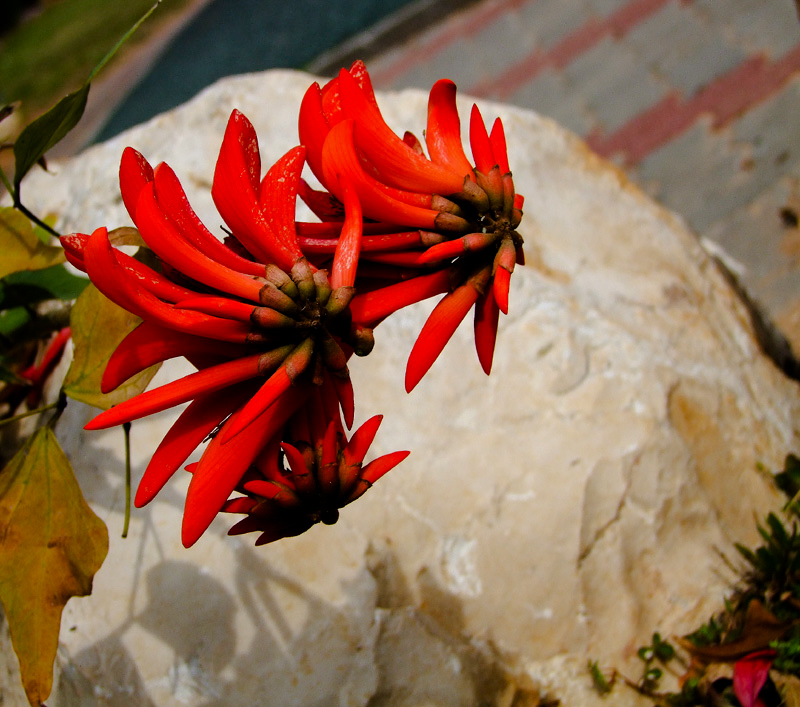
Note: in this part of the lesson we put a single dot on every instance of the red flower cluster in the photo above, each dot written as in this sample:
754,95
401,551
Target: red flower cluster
271,315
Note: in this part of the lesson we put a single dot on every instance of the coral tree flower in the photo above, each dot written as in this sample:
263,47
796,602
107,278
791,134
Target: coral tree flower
466,215
270,338
271,315
325,472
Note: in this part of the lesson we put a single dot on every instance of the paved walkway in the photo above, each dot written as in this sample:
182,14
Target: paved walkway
698,100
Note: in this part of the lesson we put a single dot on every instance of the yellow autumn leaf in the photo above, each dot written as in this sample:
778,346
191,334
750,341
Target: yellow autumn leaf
789,688
98,326
21,248
51,545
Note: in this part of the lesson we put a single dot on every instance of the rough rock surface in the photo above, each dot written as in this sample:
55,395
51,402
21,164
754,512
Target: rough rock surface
564,508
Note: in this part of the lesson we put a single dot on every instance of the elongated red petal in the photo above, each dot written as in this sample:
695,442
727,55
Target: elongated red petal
296,460
339,158
219,307
278,197
500,288
359,72
115,283
345,259
437,331
399,165
487,314
199,419
234,191
380,466
372,307
362,440
313,129
155,283
275,386
173,201
150,343
407,259
160,234
344,392
179,391
374,471
479,141
497,138
134,173
221,467
458,246
443,135
405,240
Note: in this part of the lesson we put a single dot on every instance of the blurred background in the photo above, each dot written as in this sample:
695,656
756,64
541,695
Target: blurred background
697,100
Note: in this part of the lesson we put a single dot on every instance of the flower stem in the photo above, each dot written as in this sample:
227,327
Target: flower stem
126,427
33,217
29,413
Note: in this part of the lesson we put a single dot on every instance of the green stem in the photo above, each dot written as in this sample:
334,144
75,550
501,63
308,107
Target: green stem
33,217
22,415
126,428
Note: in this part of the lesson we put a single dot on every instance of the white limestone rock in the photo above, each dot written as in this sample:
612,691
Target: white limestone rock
562,509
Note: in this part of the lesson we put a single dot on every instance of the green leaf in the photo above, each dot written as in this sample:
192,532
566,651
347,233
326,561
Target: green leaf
601,684
51,545
55,282
13,319
47,130
98,326
20,247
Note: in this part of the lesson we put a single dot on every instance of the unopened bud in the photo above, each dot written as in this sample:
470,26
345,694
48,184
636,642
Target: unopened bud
339,300
303,277
323,287
281,280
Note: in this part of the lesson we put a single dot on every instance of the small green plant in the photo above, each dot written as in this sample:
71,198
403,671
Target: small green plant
733,656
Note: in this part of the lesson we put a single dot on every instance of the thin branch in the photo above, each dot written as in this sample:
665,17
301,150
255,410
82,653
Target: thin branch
126,428
33,217
29,413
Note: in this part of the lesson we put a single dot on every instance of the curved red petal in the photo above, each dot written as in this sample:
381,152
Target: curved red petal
221,467
372,307
497,139
399,165
313,129
278,197
179,391
362,439
173,201
339,158
195,423
437,331
500,288
479,141
348,248
234,191
487,314
160,234
150,343
443,134
134,173
116,283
